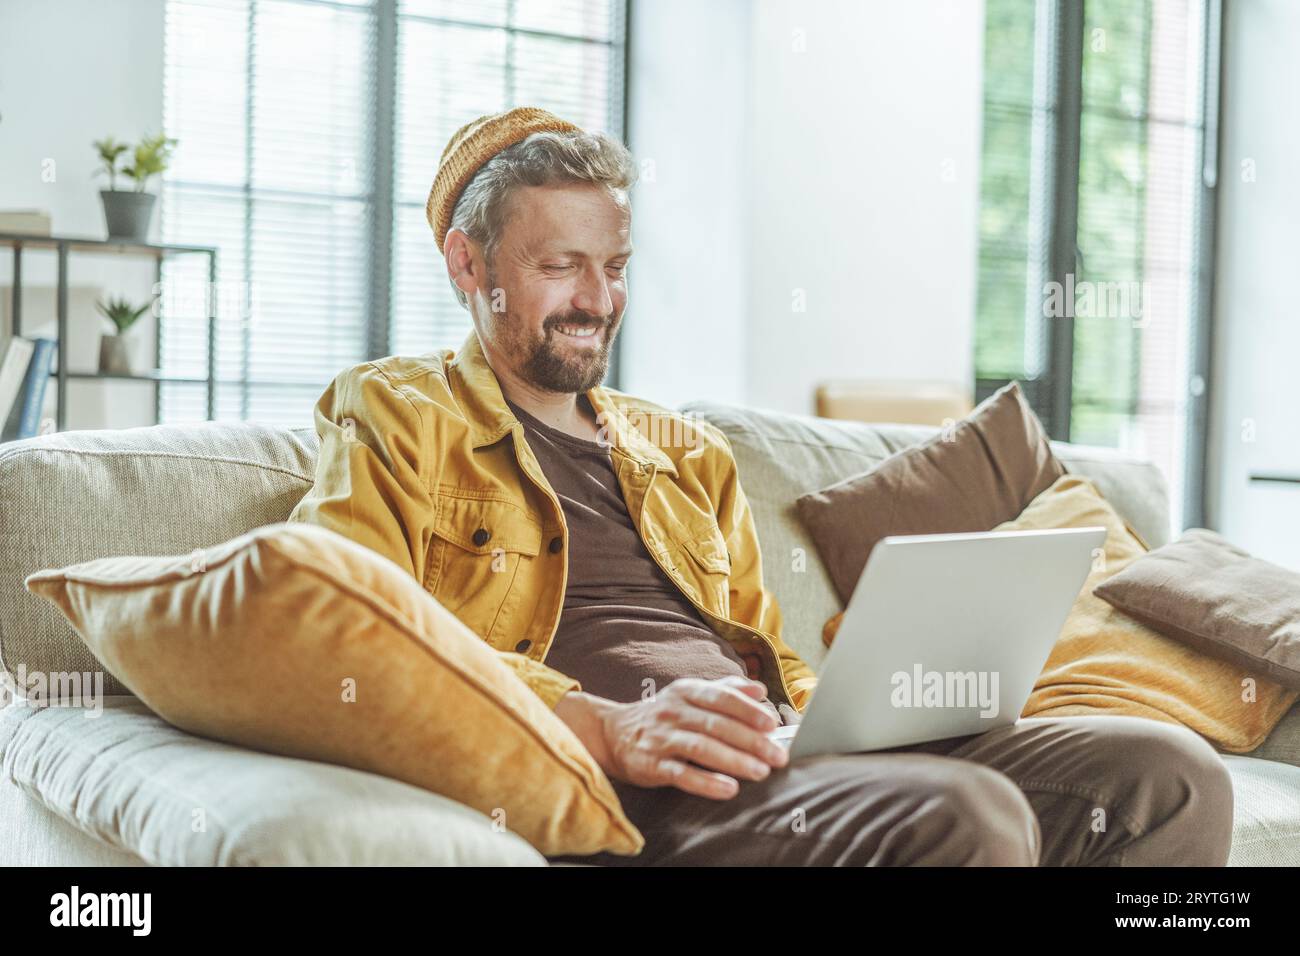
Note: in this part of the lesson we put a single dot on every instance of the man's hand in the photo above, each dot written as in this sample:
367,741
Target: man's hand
696,735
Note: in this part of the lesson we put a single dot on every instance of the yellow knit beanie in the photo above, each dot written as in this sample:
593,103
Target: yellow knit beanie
473,145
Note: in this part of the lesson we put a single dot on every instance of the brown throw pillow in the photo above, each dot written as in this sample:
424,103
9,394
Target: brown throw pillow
969,478
1217,598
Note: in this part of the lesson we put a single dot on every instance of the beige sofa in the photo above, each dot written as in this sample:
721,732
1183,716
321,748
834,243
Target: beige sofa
119,786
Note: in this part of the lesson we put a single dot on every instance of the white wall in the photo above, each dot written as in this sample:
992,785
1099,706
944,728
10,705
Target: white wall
865,193
687,319
73,71
1257,346
850,172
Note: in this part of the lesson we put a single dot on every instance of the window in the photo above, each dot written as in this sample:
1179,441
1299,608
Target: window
1095,218
309,132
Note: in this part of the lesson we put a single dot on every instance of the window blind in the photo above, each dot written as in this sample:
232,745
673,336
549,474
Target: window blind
1140,166
269,100
273,104
1020,103
1138,293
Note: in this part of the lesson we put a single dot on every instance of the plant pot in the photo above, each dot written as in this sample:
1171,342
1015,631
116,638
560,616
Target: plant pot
127,214
114,355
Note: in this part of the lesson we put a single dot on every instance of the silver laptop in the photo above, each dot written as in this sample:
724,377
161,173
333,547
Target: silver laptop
944,636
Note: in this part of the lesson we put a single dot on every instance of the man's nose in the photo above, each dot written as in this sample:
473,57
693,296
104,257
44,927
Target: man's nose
593,295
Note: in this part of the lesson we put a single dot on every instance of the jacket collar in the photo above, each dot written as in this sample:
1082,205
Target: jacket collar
490,418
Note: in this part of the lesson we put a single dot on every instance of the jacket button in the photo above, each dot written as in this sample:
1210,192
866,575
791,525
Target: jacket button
481,537
556,545
523,645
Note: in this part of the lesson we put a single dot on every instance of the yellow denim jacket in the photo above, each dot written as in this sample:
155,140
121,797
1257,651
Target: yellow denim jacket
415,464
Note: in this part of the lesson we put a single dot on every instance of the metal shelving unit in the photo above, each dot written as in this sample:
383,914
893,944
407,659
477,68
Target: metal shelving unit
63,247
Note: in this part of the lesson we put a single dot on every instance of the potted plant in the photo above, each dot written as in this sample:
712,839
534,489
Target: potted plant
114,354
129,211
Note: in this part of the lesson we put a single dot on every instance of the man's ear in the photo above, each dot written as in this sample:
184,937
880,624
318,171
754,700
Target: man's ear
465,264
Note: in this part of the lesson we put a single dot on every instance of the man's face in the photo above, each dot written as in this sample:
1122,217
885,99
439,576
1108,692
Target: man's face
557,285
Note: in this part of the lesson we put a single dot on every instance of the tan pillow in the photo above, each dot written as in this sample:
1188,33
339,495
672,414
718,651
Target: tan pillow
1107,663
295,640
1214,596
968,478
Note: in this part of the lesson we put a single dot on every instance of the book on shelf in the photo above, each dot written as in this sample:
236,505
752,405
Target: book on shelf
27,222
22,415
13,370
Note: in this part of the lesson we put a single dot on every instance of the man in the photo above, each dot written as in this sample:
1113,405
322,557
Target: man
604,547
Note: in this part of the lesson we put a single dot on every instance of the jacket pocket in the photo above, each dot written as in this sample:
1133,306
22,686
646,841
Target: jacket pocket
710,568
475,556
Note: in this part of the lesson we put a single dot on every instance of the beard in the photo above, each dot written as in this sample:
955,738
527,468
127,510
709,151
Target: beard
552,363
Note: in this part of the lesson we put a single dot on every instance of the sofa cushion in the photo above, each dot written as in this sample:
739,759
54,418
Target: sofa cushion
31,834
166,489
139,785
978,474
1265,812
782,456
1283,743
124,788
296,640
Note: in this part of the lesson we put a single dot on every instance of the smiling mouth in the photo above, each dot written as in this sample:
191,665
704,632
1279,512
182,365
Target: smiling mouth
579,332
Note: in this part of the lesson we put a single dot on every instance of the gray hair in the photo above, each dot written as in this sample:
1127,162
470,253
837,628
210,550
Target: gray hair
543,159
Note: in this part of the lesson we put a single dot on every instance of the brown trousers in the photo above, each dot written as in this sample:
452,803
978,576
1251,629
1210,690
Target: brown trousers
1063,791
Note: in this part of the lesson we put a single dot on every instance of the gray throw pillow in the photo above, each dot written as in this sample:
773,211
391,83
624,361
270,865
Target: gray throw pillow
1215,597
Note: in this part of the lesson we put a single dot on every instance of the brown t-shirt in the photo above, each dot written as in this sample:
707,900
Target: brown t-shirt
626,630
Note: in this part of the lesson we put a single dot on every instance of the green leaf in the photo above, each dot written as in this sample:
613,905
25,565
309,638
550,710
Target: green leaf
152,156
122,313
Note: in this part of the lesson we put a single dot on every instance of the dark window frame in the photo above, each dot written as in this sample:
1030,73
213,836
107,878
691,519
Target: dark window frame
1051,394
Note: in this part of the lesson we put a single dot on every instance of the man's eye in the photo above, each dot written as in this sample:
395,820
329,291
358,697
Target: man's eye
616,271
556,267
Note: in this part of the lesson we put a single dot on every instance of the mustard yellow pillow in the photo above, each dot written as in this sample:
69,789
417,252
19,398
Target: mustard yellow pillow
295,640
1108,663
